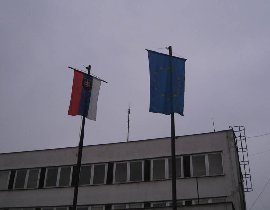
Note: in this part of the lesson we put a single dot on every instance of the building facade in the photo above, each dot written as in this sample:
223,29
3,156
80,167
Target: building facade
127,175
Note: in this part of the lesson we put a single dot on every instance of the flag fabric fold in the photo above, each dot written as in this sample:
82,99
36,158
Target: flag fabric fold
167,83
84,96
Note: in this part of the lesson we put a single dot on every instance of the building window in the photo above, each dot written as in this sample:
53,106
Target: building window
51,177
26,178
99,174
127,206
178,203
215,164
128,171
120,172
82,208
158,169
100,207
198,163
136,205
61,208
136,171
65,176
200,201
217,200
33,178
161,204
178,163
85,175
55,208
58,176
20,179
4,178
119,206
186,165
93,174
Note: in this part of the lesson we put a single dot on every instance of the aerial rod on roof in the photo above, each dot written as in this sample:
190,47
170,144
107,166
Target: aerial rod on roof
128,124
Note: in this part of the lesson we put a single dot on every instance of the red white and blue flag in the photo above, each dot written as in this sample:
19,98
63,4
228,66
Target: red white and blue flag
84,95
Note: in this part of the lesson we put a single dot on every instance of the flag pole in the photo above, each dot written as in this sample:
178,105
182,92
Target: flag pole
79,159
174,204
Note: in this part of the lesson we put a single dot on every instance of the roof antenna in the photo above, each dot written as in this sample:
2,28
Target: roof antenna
214,124
128,123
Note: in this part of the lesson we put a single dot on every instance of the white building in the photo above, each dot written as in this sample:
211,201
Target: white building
127,175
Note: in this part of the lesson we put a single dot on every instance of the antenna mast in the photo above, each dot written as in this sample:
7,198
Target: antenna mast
128,123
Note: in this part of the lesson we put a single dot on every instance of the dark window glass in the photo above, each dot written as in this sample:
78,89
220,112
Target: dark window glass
109,173
215,164
65,176
186,165
188,202
158,169
99,174
135,205
4,176
147,171
61,208
159,204
85,175
51,177
32,181
120,172
136,171
20,179
119,206
178,167
218,200
97,208
198,163
82,208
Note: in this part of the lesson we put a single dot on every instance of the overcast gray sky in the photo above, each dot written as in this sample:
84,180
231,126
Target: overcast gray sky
226,44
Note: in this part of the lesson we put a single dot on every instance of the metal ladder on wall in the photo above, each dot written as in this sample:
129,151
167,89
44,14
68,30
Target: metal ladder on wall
241,143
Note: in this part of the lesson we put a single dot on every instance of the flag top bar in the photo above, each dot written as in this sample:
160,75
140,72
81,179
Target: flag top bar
165,54
87,74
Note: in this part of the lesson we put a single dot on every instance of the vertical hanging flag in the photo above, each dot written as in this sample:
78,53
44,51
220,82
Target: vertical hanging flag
167,83
84,95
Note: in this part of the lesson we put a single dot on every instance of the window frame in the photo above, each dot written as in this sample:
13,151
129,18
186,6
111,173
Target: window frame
26,178
93,173
166,174
181,169
127,205
70,175
205,164
114,171
207,172
59,168
7,181
128,171
222,163
142,170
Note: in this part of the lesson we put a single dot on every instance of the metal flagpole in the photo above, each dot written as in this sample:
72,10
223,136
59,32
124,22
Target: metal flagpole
174,206
80,149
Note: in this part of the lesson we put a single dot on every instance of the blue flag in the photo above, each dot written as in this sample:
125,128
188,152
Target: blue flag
167,83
